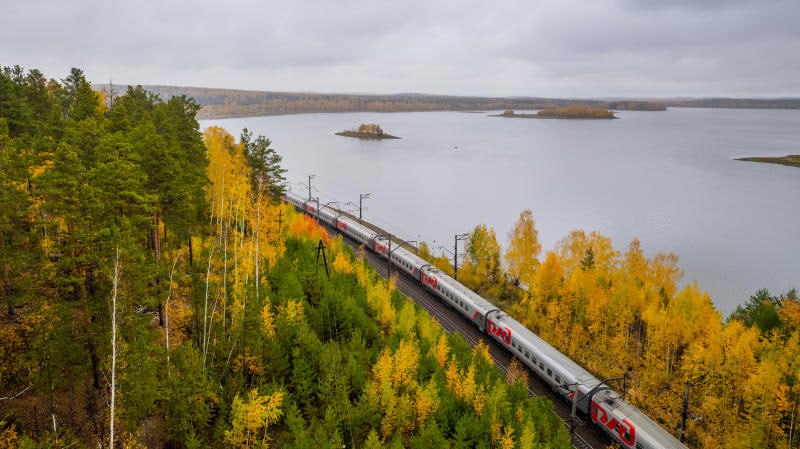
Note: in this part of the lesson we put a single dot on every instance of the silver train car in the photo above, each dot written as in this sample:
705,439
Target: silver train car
623,422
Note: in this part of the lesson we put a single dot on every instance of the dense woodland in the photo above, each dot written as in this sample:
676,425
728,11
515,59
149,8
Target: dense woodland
157,294
620,313
219,103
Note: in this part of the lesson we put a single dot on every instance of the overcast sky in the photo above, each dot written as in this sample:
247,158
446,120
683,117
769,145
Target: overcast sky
552,48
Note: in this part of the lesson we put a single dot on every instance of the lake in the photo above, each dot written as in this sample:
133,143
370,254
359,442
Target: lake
667,178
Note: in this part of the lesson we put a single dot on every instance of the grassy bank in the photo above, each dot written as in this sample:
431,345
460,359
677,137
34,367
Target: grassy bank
792,160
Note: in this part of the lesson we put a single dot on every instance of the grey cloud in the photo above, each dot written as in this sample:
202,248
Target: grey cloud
546,47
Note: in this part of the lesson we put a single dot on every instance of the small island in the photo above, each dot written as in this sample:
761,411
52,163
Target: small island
569,112
367,131
792,160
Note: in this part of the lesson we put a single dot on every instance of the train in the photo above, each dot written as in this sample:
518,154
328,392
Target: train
606,408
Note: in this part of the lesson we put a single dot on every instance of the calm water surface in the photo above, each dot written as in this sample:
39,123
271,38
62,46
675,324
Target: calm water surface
667,178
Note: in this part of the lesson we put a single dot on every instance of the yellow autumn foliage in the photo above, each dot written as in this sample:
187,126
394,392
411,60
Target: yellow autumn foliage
481,351
251,417
9,439
403,403
268,321
291,313
426,401
506,441
441,351
341,263
405,363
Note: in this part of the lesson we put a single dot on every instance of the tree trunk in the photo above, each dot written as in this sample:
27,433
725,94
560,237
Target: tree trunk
160,311
7,290
166,311
191,253
113,350
91,345
156,238
205,311
157,255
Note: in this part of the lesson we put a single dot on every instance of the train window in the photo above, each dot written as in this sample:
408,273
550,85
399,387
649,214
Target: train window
639,446
558,379
549,372
527,354
534,359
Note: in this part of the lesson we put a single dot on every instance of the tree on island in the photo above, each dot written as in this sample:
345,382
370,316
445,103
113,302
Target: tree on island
370,128
367,131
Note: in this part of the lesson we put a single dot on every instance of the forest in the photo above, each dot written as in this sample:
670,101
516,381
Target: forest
222,103
620,313
156,293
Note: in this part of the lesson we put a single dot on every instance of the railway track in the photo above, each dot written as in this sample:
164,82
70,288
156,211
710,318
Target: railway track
584,437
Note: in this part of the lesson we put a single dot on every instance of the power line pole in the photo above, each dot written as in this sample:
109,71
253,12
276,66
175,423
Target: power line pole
573,416
685,411
455,253
321,250
310,177
361,198
389,251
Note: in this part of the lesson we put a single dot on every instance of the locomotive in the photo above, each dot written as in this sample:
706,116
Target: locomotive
606,408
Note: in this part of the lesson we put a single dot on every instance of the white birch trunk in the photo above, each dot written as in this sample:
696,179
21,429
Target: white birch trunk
114,349
205,311
166,310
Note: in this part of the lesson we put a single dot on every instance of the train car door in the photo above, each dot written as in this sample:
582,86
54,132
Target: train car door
480,320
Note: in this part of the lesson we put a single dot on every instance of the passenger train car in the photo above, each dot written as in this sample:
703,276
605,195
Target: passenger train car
607,409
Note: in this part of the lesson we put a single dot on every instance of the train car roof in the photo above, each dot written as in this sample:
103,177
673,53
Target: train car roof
520,332
611,401
477,300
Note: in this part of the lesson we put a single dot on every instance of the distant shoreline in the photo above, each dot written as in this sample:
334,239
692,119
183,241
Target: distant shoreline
567,113
552,117
792,160
218,103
